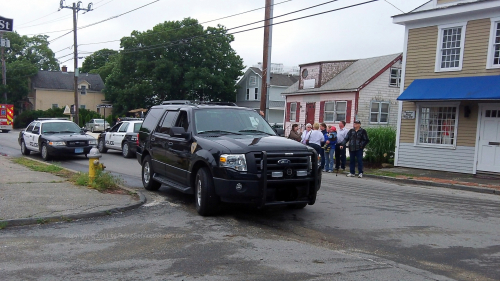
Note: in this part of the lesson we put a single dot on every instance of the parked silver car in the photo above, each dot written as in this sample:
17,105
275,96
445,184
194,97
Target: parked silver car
97,125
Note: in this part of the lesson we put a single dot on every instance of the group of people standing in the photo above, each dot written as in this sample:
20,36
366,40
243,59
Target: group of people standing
330,144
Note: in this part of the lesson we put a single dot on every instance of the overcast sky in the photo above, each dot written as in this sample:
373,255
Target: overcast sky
358,32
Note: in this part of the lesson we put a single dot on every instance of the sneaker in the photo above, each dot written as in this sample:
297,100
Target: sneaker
324,171
330,171
350,175
360,175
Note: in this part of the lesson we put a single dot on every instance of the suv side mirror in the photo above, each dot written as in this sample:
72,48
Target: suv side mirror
180,132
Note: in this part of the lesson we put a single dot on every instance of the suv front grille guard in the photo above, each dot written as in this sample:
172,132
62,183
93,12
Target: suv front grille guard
312,180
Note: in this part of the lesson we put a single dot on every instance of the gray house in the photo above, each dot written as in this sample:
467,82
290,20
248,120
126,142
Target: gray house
249,90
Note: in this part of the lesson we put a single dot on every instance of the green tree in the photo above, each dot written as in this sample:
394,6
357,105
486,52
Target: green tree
100,62
174,60
24,58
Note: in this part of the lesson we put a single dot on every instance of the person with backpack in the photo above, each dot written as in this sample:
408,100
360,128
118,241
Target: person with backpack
358,139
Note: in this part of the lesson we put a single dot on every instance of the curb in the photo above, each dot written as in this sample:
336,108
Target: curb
436,184
72,217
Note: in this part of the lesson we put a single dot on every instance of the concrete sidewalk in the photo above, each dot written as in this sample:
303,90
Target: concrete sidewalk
30,197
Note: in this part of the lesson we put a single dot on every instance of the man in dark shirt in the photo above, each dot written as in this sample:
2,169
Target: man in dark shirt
358,139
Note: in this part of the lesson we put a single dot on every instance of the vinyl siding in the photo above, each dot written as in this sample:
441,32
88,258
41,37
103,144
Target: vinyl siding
460,160
43,99
408,125
439,2
379,90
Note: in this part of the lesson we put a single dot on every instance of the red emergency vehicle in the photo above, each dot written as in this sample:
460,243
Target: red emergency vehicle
6,117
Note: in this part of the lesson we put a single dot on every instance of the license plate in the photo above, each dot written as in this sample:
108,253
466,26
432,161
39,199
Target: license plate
78,150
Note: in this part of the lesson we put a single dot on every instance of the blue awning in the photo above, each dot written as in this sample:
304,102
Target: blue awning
459,88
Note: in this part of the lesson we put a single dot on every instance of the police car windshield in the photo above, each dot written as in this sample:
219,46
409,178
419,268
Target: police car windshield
60,127
231,120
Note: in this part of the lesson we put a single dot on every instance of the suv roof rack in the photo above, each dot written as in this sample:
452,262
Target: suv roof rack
177,102
188,102
52,118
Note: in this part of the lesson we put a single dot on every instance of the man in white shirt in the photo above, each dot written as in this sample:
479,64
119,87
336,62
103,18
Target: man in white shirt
340,153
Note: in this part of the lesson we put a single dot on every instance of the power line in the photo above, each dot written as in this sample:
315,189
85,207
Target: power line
47,22
184,41
61,36
394,6
38,18
151,33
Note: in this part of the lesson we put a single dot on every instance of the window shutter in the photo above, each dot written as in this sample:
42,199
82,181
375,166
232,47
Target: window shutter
297,115
348,111
287,113
321,111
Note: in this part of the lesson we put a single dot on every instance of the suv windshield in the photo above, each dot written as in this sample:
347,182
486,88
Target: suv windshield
60,127
230,121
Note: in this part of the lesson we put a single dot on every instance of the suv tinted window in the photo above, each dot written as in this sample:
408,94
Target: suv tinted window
167,122
151,120
182,121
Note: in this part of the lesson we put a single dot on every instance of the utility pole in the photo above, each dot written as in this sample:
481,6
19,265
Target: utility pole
4,44
76,8
266,62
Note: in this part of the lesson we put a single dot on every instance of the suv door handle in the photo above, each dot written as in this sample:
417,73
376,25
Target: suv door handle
153,138
170,143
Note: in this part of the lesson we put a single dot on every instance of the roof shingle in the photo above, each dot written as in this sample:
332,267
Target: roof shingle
65,80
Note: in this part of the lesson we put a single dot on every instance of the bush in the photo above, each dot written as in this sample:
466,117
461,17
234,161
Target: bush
382,144
86,115
103,180
23,119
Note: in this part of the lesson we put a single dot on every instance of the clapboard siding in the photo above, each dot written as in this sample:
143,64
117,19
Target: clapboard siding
459,160
408,125
421,53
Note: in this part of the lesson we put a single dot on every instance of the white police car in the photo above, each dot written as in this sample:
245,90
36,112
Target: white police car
115,137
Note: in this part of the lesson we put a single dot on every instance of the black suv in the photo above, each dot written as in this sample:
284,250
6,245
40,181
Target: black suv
224,154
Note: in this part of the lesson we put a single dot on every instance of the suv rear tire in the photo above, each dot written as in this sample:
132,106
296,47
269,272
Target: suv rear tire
147,175
205,197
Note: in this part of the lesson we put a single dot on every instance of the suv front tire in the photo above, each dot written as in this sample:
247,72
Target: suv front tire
206,200
147,175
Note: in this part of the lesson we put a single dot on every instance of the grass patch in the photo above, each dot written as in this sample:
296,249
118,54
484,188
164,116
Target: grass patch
387,174
102,182
42,167
3,225
41,221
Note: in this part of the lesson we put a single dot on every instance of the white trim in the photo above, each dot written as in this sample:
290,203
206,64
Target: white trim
417,123
489,61
476,149
437,67
401,89
472,8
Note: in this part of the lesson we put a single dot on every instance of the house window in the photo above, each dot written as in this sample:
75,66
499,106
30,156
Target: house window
379,112
395,79
256,93
293,112
252,81
437,125
83,90
335,111
248,94
494,45
82,106
55,105
450,48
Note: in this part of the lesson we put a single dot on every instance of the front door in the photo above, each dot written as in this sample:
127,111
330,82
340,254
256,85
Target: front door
489,140
310,108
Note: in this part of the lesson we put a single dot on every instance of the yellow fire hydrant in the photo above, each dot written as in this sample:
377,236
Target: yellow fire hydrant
94,164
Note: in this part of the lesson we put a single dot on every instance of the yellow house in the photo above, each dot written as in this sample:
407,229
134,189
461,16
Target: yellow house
449,107
51,89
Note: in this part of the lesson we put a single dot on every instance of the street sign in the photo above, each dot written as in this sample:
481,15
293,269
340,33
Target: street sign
6,24
104,106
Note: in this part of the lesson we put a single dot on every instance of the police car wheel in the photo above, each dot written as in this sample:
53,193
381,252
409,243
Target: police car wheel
24,149
45,152
125,150
101,146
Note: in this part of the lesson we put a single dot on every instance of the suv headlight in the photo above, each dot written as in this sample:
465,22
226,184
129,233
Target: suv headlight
91,142
57,143
237,162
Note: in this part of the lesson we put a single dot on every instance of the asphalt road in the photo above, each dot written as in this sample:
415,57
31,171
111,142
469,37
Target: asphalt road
359,229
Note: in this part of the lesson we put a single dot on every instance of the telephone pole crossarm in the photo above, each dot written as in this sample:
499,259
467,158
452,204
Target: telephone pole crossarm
76,8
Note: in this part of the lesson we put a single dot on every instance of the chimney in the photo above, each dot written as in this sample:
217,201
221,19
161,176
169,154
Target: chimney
64,68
